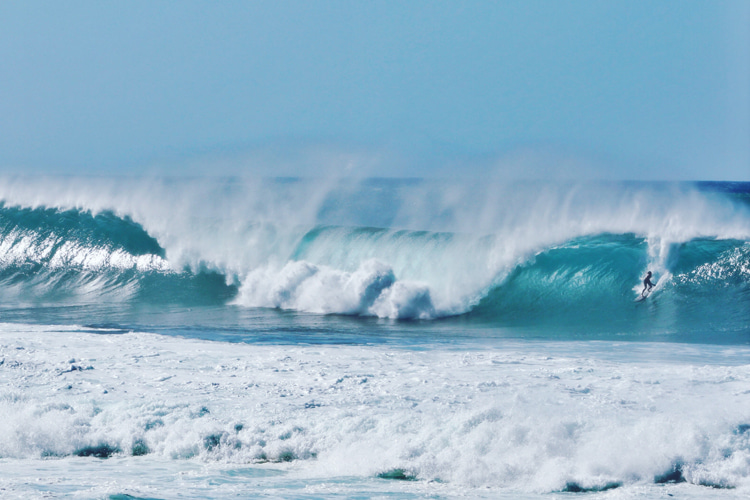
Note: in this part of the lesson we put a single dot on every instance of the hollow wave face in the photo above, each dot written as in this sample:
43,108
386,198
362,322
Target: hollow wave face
508,253
588,283
71,256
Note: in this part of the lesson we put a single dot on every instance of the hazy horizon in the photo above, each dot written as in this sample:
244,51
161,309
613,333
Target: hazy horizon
534,90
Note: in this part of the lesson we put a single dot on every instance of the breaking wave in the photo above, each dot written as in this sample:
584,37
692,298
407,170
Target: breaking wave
524,253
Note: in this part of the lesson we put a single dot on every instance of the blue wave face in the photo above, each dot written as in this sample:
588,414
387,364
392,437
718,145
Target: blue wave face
524,255
590,284
72,257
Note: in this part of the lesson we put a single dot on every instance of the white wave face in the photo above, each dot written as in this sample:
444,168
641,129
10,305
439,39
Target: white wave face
86,265
521,422
22,247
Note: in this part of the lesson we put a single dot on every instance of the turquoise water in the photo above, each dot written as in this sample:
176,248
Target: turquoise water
401,338
566,266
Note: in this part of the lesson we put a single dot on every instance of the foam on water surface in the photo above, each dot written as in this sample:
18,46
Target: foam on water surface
213,419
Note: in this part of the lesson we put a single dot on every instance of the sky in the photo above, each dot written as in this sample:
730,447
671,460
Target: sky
617,89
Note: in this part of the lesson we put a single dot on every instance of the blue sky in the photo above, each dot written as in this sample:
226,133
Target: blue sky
623,89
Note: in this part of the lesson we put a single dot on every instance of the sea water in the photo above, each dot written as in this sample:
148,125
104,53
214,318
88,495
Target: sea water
319,338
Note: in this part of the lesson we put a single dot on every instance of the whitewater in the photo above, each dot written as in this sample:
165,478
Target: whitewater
318,338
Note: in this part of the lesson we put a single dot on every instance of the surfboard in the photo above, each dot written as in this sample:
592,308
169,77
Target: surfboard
644,295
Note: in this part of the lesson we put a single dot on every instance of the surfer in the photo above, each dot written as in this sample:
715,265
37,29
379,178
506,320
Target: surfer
647,283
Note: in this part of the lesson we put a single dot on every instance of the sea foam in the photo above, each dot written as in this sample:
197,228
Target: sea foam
536,421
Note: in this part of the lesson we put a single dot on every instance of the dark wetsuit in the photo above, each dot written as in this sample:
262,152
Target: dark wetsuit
647,284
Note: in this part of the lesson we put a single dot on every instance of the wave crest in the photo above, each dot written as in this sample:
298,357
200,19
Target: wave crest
495,251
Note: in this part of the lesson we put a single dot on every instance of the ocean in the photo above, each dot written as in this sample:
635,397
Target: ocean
165,338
